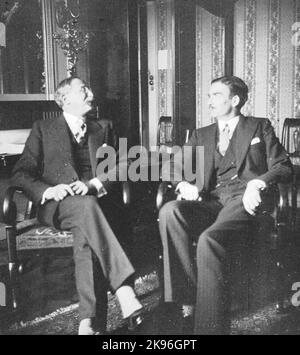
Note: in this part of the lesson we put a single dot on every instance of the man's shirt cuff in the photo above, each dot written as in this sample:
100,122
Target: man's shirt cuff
43,197
97,184
179,184
259,183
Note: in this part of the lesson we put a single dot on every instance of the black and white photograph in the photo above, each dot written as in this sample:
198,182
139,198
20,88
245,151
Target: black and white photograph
149,170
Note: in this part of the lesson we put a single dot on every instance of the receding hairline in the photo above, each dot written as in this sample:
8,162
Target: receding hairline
63,88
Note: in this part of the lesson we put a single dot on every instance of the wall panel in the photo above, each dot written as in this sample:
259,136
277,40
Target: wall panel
266,58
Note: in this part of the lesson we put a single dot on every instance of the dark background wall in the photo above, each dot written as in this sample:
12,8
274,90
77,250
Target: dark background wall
112,54
21,114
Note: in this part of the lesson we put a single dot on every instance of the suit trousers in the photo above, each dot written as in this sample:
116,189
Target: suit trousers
217,226
100,261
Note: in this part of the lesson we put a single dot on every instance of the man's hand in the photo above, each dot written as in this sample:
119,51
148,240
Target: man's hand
187,191
79,188
251,198
58,192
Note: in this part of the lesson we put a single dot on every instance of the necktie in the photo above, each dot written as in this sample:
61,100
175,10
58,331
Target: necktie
79,136
224,139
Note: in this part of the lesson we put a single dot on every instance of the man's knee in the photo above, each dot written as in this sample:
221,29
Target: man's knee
81,205
203,242
90,203
169,210
208,246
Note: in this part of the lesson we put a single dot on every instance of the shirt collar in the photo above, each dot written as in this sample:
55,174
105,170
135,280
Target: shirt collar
232,123
74,122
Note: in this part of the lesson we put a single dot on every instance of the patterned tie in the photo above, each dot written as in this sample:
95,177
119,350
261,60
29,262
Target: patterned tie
79,136
224,140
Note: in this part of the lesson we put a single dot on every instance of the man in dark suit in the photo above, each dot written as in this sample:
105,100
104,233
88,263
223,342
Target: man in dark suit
58,171
242,156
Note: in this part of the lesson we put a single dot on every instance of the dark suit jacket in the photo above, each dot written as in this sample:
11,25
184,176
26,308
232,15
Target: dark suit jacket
47,159
259,153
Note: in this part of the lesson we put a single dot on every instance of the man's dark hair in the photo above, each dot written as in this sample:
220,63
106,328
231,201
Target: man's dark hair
236,86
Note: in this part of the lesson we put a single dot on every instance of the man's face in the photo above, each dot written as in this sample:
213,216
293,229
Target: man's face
221,104
78,100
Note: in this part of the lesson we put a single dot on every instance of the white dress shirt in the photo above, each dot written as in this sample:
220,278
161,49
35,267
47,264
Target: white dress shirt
232,123
75,124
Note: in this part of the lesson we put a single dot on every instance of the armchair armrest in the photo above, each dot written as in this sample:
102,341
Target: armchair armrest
275,197
9,205
126,193
165,192
284,208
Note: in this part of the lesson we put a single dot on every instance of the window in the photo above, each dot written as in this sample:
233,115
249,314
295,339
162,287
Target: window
25,36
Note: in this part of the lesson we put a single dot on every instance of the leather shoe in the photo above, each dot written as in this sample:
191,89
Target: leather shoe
135,320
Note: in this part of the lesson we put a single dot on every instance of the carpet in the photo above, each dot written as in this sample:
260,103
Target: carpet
64,321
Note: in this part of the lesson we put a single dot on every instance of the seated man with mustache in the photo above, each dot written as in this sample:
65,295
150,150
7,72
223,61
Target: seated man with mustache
242,156
58,172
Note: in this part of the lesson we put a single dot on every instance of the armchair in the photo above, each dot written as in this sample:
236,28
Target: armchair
274,218
291,141
28,237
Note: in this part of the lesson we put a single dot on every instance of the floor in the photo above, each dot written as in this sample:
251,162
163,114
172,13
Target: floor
51,305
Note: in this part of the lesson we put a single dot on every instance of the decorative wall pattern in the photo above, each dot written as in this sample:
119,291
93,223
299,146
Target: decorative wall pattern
218,58
162,45
210,62
165,43
267,59
296,86
199,55
273,60
249,53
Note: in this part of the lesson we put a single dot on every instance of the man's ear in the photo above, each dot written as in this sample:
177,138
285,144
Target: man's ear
235,100
65,100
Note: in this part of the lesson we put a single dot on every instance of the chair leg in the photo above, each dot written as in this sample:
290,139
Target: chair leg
294,201
280,269
13,267
161,277
279,286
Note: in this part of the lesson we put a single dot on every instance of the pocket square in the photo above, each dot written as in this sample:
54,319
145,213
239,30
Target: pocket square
255,141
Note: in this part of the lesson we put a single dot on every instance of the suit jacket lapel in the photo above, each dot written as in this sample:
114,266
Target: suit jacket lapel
95,140
62,139
246,129
209,143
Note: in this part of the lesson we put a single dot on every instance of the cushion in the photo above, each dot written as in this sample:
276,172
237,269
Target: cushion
33,235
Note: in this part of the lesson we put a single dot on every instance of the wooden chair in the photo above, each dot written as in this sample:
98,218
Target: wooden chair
291,141
276,219
27,237
272,232
165,134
